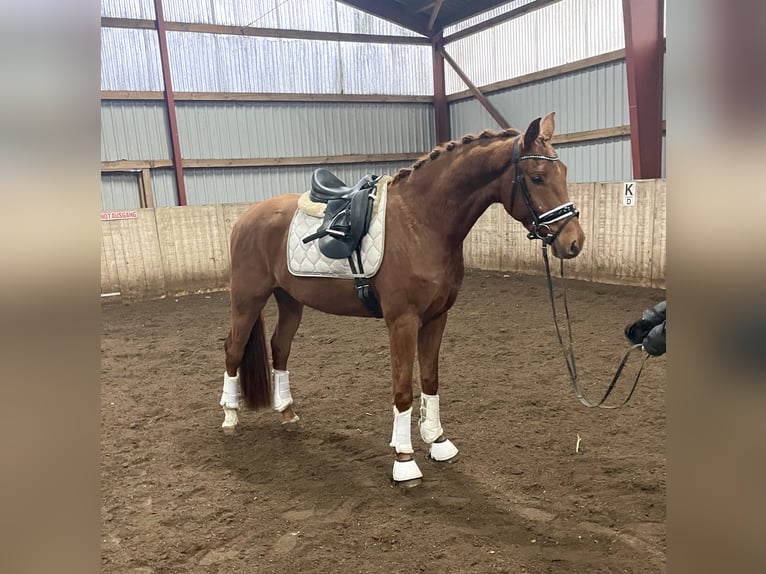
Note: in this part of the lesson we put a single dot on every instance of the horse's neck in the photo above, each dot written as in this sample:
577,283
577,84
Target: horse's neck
450,193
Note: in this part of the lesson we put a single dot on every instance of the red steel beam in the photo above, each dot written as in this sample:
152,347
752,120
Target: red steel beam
475,91
170,103
441,105
644,51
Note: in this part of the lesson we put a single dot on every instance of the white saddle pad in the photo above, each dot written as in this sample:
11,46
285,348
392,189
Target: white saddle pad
305,259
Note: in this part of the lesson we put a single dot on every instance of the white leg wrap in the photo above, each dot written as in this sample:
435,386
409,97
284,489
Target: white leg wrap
431,429
230,395
430,425
230,403
401,437
401,440
280,390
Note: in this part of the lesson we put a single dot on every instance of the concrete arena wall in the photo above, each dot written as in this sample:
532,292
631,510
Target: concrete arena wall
624,245
168,251
176,250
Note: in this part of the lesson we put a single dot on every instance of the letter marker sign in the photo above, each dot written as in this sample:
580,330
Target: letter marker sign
629,193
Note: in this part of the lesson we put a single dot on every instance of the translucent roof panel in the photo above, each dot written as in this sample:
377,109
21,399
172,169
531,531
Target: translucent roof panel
313,15
130,60
479,18
140,9
222,63
557,34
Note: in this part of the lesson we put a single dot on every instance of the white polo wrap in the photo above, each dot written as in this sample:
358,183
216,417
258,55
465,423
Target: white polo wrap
230,395
430,425
401,437
280,390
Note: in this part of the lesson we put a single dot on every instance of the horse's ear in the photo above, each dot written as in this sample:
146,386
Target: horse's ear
531,134
547,126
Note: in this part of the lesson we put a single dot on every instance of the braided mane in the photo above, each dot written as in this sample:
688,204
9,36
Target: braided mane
449,146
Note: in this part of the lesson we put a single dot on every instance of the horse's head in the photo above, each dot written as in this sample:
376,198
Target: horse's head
537,195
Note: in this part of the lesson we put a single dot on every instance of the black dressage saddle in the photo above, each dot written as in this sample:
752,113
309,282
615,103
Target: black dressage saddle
347,215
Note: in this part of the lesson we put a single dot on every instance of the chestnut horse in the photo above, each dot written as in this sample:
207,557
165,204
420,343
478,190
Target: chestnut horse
431,207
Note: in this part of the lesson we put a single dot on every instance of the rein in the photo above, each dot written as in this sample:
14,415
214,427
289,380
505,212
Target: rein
569,352
542,231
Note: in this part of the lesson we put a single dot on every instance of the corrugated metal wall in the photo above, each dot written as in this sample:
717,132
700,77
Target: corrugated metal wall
119,191
130,60
164,187
128,9
563,32
557,34
226,63
243,185
217,63
323,15
134,130
137,130
569,30
263,129
590,99
249,184
599,160
479,18
584,100
316,15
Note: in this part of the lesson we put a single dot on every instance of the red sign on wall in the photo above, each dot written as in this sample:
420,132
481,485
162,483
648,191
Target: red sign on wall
112,215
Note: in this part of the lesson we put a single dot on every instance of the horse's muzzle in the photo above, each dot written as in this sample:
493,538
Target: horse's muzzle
571,251
568,244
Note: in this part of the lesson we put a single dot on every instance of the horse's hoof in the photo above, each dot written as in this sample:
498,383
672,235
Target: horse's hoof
443,451
292,424
230,430
453,460
407,484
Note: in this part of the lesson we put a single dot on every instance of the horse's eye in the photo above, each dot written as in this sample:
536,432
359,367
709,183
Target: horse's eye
537,179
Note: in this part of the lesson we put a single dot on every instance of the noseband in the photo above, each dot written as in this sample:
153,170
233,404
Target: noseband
540,223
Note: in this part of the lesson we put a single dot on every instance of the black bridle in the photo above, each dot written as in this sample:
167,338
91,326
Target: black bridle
542,231
540,223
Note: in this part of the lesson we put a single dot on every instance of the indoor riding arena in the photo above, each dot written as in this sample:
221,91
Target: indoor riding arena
213,109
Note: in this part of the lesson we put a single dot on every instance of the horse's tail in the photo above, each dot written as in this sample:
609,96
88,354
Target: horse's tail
254,372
